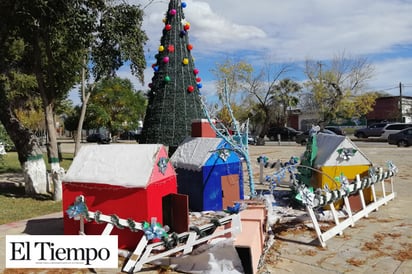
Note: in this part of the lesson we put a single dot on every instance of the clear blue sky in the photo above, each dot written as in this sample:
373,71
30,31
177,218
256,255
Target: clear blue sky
278,31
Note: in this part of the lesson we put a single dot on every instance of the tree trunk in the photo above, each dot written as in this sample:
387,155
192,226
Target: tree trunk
85,98
28,149
265,127
53,153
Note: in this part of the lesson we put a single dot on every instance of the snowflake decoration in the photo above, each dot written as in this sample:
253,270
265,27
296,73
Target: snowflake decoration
346,153
392,167
154,230
344,182
224,154
372,174
77,209
162,164
306,195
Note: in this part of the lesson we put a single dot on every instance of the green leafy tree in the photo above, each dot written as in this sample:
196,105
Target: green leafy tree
55,39
285,95
335,86
115,105
174,97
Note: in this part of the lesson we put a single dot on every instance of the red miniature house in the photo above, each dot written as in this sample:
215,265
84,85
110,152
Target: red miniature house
128,180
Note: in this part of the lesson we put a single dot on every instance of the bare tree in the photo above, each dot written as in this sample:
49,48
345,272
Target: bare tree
335,85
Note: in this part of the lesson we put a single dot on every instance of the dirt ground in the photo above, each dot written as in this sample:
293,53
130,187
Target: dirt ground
381,243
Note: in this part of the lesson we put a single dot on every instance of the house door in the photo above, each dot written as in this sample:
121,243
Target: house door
230,190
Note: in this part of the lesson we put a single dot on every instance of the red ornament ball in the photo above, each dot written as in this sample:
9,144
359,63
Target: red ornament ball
168,27
189,47
190,88
195,71
171,48
198,79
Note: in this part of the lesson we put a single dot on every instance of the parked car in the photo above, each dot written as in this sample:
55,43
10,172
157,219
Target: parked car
373,130
393,128
98,138
402,139
129,135
303,137
337,130
286,133
251,139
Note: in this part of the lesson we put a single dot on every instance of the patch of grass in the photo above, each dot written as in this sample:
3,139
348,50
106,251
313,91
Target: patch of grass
15,204
11,164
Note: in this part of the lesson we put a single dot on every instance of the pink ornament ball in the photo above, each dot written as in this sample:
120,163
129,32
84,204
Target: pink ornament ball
195,71
166,59
172,12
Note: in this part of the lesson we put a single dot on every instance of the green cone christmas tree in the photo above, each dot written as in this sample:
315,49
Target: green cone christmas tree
174,96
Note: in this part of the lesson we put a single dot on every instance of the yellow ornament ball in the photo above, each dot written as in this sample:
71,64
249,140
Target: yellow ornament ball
185,61
161,48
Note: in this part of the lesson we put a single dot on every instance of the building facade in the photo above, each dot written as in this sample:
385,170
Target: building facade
389,108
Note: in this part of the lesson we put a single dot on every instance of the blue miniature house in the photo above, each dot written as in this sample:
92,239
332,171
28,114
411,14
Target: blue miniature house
209,173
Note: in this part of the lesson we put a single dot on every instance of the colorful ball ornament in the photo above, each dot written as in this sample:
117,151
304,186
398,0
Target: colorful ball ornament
171,48
164,20
161,48
182,33
184,5
186,27
172,12
165,59
199,85
195,71
185,61
150,85
189,47
198,79
156,68
168,27
190,88
167,78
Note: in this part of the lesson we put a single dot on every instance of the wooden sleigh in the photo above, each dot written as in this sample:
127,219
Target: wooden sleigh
145,251
380,182
313,201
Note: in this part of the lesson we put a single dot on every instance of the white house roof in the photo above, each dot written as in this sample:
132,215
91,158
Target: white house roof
127,165
193,152
330,151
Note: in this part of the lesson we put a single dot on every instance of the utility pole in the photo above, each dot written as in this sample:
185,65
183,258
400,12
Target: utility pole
400,102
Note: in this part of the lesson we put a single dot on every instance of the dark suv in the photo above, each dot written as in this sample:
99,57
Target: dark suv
373,130
286,133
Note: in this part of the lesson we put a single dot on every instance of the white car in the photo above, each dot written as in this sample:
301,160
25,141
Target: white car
393,128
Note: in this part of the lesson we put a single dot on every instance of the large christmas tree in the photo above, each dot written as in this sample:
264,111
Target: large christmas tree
174,97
